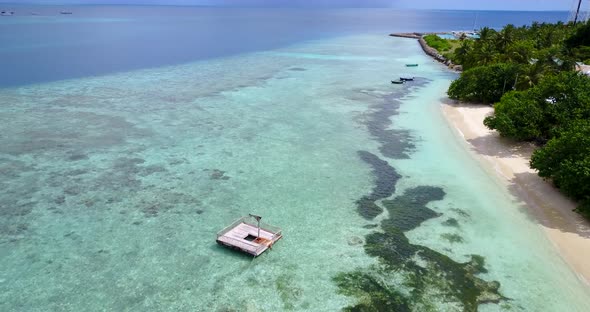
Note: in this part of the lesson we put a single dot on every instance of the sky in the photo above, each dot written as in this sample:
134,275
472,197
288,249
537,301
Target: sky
561,5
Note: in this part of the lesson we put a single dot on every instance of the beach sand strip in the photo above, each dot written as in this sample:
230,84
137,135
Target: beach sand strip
509,161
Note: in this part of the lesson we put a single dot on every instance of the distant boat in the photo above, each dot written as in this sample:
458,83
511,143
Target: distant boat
406,78
411,65
65,12
397,81
6,13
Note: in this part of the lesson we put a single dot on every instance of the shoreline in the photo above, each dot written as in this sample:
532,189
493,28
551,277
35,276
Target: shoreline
508,161
568,232
430,51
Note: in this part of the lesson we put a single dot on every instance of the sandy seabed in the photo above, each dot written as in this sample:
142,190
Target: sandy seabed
509,161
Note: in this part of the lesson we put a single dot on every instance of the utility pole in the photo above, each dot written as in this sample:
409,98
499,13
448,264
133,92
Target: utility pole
577,12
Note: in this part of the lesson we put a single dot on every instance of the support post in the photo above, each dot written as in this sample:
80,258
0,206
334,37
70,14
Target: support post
258,220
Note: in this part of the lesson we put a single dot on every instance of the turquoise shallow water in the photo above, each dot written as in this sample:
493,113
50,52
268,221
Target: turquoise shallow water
115,186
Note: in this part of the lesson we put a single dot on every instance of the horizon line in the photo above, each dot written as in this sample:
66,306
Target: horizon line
269,7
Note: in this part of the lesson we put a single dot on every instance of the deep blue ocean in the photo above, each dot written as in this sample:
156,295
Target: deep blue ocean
97,40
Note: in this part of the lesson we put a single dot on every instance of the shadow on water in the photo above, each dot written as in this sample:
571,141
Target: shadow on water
231,253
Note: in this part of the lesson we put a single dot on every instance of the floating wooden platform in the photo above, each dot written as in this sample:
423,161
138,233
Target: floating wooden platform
242,235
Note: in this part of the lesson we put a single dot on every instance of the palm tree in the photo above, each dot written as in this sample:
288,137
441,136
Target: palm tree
505,37
462,54
520,51
486,55
531,75
486,34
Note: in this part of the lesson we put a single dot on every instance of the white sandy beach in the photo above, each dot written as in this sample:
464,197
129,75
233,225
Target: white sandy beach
567,230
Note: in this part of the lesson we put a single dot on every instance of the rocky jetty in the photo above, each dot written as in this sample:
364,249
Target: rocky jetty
428,49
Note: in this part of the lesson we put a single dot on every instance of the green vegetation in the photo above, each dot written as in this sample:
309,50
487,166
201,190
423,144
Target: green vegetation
566,160
538,48
579,43
442,45
511,59
495,77
529,73
541,112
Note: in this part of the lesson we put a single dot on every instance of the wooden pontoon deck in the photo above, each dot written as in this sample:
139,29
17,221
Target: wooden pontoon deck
243,235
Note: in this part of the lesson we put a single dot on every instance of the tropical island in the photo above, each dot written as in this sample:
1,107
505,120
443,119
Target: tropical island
537,81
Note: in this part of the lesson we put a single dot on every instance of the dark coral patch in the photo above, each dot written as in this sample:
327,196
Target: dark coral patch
289,292
177,161
12,232
151,169
12,209
57,129
399,144
451,222
461,212
75,172
367,208
374,294
168,201
408,211
391,246
386,176
122,175
424,270
421,270
395,143
217,174
76,157
60,200
385,180
13,226
452,237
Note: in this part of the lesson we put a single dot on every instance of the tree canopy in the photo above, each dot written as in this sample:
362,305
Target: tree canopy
484,84
529,73
538,114
527,54
565,160
578,44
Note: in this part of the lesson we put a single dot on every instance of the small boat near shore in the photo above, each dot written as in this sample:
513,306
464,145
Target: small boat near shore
6,13
397,81
411,65
404,79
